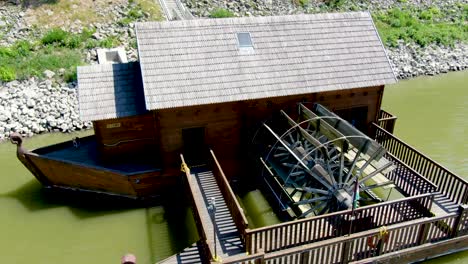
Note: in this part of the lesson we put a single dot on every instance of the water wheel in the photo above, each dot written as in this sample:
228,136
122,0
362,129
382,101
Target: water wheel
319,163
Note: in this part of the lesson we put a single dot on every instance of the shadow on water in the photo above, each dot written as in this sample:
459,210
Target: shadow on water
179,226
83,205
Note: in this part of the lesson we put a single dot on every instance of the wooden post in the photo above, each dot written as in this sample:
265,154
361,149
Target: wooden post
248,242
346,249
462,211
305,257
465,197
422,236
260,260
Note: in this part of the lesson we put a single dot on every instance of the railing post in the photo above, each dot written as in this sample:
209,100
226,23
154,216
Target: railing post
248,242
260,260
305,257
346,249
422,236
465,197
462,211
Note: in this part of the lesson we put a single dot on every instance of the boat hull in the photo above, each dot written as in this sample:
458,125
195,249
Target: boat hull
55,171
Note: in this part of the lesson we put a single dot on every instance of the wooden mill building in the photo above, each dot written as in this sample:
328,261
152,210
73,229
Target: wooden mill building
212,82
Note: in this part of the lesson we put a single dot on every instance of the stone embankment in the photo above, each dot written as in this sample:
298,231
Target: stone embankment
33,107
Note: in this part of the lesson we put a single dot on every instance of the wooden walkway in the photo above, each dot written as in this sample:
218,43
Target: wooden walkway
409,182
228,240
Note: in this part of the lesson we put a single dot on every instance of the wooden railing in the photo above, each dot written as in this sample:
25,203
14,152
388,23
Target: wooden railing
206,242
299,232
365,244
235,209
450,184
386,121
408,181
463,221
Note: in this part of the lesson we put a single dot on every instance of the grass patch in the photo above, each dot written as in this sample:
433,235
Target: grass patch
56,13
7,74
109,42
335,4
25,59
55,36
419,26
302,3
150,7
221,13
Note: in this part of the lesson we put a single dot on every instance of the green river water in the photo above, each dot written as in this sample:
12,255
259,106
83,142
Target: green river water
39,227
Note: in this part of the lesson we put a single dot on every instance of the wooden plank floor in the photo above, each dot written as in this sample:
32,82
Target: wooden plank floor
86,154
442,205
228,237
189,255
228,241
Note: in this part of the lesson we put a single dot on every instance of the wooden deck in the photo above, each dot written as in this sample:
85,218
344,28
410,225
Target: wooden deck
228,238
192,254
85,153
431,213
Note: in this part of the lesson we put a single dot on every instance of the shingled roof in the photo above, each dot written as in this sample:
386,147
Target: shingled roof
195,62
110,91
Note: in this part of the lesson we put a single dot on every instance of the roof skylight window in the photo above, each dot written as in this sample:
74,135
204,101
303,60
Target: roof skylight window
245,43
244,40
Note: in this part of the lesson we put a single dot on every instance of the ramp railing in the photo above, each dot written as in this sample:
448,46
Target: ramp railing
206,243
366,244
386,121
235,209
298,232
450,184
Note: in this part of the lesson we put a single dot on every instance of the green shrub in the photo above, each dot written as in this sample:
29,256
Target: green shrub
335,4
135,13
6,52
55,36
73,42
221,13
429,14
125,21
109,42
23,48
133,43
71,75
91,43
87,33
418,26
303,3
7,74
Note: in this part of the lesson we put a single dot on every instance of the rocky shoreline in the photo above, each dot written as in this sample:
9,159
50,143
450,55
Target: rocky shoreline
32,107
36,106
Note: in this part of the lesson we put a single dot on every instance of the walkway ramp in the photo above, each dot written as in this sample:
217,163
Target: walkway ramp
228,240
175,10
190,255
203,187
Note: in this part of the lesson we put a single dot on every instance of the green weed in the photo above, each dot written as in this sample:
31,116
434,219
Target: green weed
109,42
7,74
55,36
418,26
221,13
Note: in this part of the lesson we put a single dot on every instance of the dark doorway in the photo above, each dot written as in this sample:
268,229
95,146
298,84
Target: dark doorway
194,146
356,116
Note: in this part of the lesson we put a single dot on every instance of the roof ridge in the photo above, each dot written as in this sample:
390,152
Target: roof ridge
232,21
